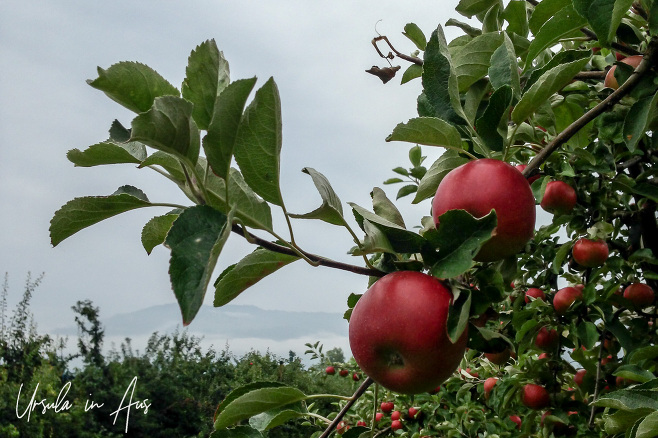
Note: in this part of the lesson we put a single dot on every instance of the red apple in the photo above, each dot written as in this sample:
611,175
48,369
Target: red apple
533,292
396,425
412,412
521,168
517,420
559,198
641,295
488,386
395,415
590,253
379,416
482,185
330,370
361,423
500,358
565,297
610,80
344,373
535,396
579,376
543,356
356,377
398,333
547,339
341,428
386,407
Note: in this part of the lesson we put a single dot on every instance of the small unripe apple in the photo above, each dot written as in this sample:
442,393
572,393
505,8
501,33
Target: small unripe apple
396,425
395,415
535,396
547,339
500,358
641,295
330,370
488,386
590,253
517,420
559,198
610,80
533,292
480,186
386,407
564,298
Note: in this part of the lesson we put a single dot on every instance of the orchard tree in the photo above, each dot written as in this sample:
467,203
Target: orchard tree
543,108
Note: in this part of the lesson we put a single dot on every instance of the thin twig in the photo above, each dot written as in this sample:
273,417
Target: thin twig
359,392
413,59
315,258
606,104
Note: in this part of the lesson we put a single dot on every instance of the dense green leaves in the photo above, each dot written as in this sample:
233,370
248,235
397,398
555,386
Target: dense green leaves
604,16
247,272
196,238
472,61
169,127
133,85
80,213
258,143
439,169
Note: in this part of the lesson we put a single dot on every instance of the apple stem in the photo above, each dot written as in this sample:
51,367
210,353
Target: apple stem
357,394
374,411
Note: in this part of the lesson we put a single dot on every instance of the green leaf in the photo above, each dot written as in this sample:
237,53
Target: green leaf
406,191
561,24
629,400
168,126
219,142
118,133
133,85
430,131
548,84
648,428
207,74
467,28
155,231
249,208
276,417
635,124
375,240
472,61
236,432
653,18
383,207
544,11
494,115
560,256
254,402
440,86
644,353
634,373
430,182
468,8
196,238
416,156
168,162
504,69
604,16
81,213
412,72
458,315
621,420
459,238
258,143
250,270
331,210
108,153
566,113
413,32
401,240
588,334
516,14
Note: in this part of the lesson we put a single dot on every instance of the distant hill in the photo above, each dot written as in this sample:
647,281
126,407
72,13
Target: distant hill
240,327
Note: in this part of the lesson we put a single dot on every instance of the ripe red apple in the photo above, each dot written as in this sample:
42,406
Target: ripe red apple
641,295
610,80
535,396
559,198
379,416
343,373
500,358
517,420
330,370
579,376
533,292
412,412
488,386
396,425
386,407
590,253
341,428
547,339
565,297
361,423
543,356
395,415
356,377
521,168
398,333
482,185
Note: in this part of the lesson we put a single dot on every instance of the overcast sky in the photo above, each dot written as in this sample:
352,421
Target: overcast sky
335,119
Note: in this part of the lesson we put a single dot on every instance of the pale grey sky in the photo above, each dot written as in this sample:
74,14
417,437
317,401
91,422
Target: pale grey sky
335,119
